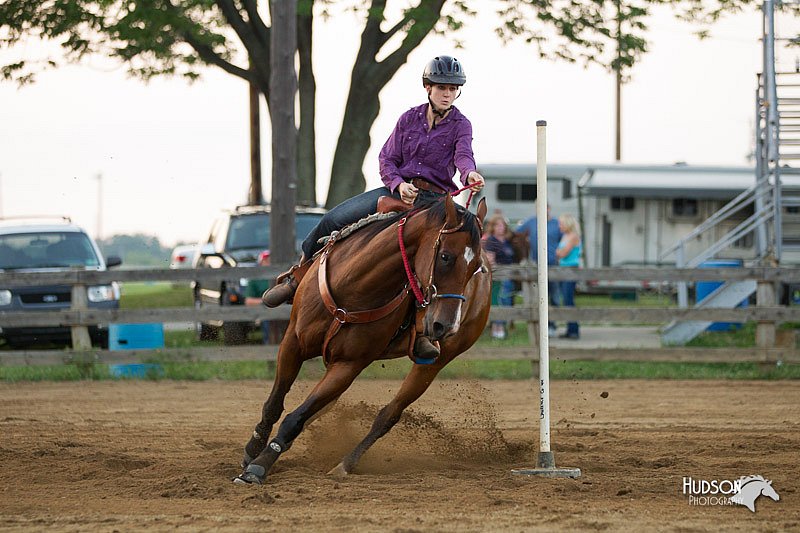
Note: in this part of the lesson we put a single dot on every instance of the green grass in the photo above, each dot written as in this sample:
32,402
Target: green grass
398,368
155,295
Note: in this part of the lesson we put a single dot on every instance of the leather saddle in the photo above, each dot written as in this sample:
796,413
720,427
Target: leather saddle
389,204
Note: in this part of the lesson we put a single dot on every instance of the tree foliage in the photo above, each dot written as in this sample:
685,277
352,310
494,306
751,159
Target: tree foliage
181,37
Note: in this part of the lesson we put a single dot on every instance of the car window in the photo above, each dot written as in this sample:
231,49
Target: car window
46,250
305,222
250,231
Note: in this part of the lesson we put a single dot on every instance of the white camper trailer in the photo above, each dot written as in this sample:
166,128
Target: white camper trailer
631,214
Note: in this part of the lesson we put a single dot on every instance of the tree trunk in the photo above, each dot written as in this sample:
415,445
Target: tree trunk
368,78
283,88
255,196
347,174
306,135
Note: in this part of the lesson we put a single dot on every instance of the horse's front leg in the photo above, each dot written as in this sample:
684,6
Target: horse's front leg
288,367
336,380
414,385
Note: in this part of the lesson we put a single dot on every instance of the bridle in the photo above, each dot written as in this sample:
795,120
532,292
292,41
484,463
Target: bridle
431,292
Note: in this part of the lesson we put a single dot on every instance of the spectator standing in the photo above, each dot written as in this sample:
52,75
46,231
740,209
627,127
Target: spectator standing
257,287
569,255
553,238
500,252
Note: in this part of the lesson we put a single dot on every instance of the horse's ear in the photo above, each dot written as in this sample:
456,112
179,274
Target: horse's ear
481,212
451,219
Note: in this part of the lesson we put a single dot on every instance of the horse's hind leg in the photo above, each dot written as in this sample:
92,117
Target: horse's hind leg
338,377
288,367
416,383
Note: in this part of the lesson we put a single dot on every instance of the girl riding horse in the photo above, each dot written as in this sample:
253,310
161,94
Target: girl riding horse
351,308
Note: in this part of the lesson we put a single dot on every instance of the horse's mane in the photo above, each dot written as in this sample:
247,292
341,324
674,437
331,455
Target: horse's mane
434,211
744,480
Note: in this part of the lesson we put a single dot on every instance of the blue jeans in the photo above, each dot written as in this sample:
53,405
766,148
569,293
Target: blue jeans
349,211
567,290
506,296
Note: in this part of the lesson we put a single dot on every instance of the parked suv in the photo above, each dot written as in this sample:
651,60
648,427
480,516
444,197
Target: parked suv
50,245
235,240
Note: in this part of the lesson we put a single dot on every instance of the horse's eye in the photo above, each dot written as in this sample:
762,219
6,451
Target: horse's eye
446,258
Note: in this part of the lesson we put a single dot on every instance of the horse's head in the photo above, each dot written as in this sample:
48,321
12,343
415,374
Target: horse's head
448,256
521,245
767,490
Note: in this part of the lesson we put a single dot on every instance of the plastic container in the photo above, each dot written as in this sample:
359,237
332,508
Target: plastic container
704,288
136,370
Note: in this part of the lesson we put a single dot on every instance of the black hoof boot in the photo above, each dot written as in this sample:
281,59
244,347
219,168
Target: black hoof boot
253,448
252,475
246,460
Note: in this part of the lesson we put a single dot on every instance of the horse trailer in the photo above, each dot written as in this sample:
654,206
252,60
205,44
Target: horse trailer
630,215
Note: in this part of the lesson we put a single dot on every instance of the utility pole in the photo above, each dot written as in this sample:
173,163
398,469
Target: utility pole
99,234
618,146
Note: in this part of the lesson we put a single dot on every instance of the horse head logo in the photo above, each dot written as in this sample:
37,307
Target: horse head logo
751,487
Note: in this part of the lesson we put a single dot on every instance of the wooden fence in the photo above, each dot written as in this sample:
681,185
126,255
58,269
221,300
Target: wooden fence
766,313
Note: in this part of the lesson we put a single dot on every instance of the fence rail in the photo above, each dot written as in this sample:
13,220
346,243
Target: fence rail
766,313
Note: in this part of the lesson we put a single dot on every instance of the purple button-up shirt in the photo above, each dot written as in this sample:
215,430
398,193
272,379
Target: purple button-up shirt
413,151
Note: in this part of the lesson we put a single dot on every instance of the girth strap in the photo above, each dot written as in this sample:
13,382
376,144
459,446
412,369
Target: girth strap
342,316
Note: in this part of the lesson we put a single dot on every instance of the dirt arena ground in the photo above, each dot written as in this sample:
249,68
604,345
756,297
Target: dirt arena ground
159,456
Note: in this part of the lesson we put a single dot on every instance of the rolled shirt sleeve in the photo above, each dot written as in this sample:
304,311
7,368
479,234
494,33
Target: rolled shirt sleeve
464,157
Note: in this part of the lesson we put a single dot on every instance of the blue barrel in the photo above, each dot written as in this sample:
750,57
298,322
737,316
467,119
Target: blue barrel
135,336
704,288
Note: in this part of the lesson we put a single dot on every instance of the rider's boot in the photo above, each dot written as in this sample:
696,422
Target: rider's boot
424,348
285,285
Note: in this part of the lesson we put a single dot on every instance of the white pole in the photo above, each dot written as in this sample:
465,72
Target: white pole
544,299
545,461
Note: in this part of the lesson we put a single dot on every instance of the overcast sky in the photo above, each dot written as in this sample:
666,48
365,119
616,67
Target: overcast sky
171,154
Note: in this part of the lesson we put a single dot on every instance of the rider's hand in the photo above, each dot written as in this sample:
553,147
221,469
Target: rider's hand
408,193
476,180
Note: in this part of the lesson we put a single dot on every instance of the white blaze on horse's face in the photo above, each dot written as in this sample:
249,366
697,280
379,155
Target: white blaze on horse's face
469,255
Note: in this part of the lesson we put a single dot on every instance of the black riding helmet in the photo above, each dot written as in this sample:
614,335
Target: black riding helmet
444,69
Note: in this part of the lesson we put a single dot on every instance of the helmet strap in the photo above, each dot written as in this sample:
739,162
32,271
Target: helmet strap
437,113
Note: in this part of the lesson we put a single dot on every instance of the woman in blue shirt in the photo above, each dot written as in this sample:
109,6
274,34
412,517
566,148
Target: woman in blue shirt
569,255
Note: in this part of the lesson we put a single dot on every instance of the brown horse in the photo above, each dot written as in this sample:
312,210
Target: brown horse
522,246
364,272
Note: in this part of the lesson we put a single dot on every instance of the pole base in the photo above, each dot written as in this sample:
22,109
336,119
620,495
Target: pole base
546,467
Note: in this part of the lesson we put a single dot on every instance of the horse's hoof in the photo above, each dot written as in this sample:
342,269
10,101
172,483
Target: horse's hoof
339,471
252,475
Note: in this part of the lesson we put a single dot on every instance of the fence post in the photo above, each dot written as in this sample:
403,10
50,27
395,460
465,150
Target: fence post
80,334
765,329
530,294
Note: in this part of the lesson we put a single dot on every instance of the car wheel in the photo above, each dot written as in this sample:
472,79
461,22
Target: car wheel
100,339
203,332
